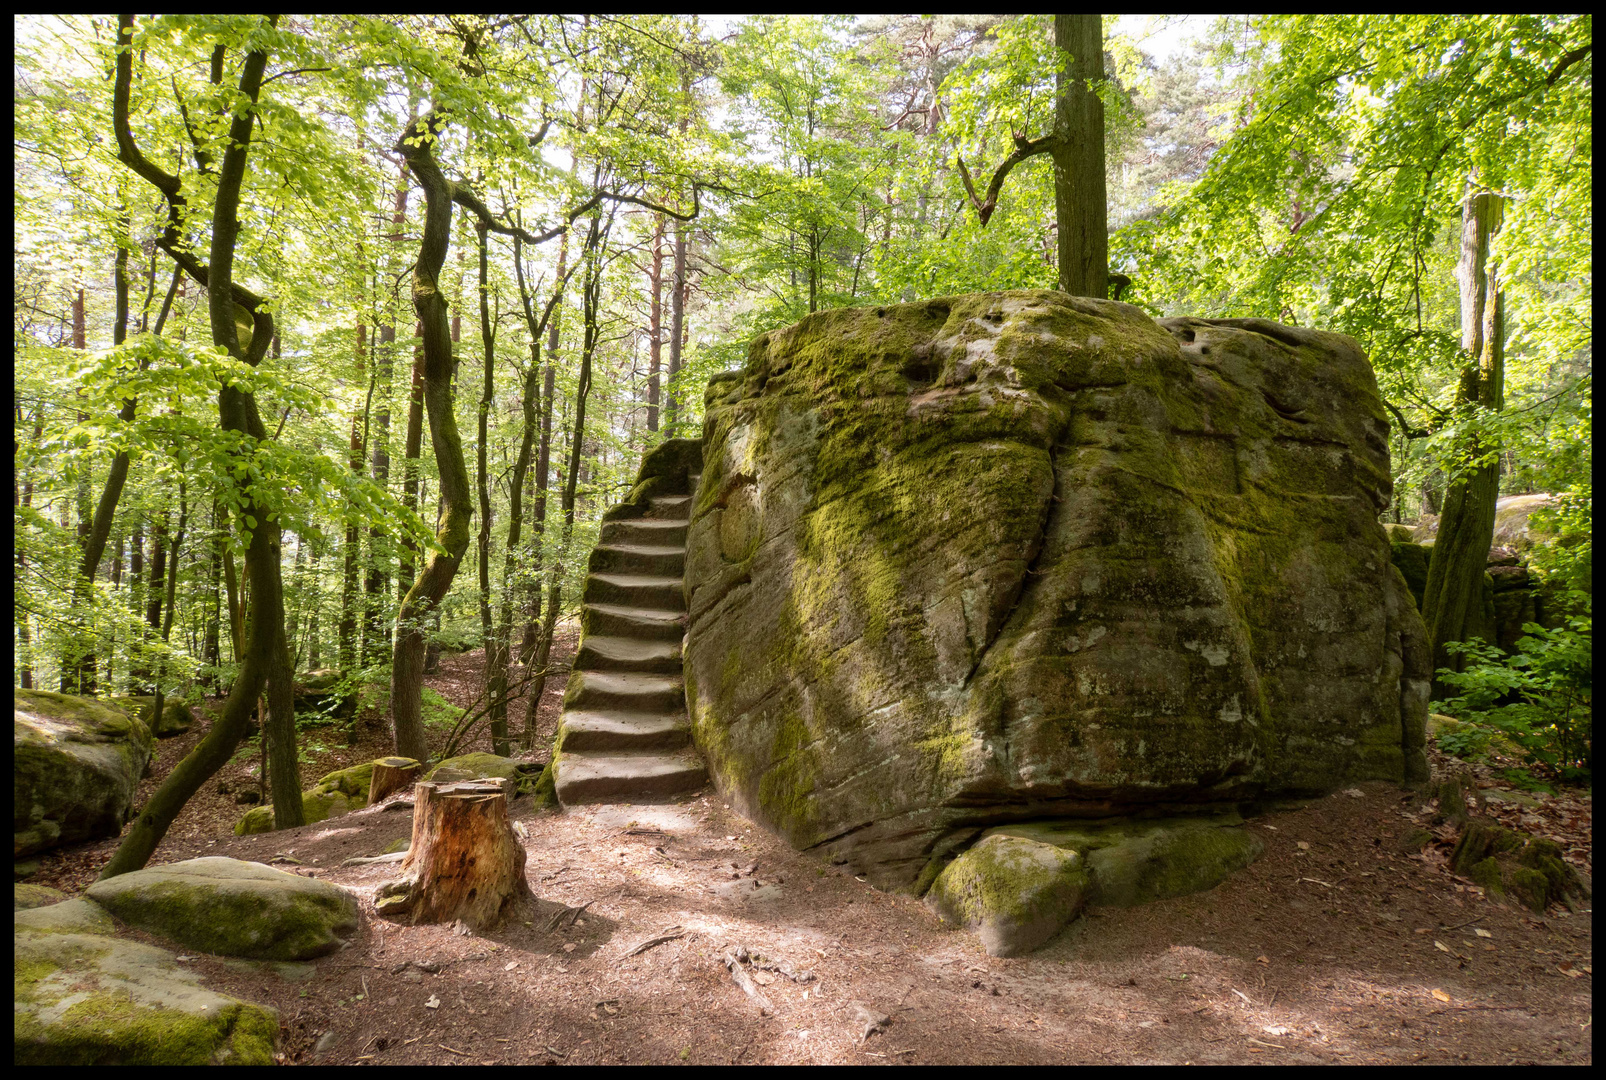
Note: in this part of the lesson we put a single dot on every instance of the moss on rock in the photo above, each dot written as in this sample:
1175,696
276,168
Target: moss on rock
80,999
33,896
1528,868
315,806
76,764
954,558
1015,893
232,908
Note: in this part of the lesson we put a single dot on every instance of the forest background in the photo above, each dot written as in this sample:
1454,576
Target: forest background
611,208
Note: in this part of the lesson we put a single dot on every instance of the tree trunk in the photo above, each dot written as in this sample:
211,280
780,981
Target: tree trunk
1079,207
465,862
233,314
407,663
412,451
677,329
495,644
655,327
1452,602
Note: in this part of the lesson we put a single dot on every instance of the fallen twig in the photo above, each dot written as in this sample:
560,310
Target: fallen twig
1243,995
1461,926
1274,1046
573,914
745,981
449,1050
669,934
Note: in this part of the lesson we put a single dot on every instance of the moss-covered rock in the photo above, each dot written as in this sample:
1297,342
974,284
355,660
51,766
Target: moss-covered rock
33,896
521,777
315,806
1136,862
336,793
176,718
232,908
1411,559
1015,893
84,999
75,916
1505,862
76,764
1028,554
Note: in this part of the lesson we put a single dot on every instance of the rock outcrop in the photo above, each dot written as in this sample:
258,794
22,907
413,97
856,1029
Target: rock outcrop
1019,555
76,764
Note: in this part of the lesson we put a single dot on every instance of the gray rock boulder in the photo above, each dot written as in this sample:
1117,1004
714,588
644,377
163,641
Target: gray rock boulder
81,998
76,765
1021,555
232,908
176,718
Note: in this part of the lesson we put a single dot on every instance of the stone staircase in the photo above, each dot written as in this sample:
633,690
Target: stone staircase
624,736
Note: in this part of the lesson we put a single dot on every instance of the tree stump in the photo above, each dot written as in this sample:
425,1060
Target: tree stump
465,862
390,776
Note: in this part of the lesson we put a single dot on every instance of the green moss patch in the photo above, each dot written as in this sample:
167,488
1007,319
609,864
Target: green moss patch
1528,869
85,1000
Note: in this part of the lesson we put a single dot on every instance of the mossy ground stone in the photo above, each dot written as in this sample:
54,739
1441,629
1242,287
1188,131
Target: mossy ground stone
1013,892
34,896
76,764
85,999
315,806
232,908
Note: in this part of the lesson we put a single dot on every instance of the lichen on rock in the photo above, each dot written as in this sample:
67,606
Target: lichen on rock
1021,555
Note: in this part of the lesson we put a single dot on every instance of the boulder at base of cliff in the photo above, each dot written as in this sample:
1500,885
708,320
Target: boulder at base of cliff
76,764
232,908
1019,885
83,998
177,719
1013,892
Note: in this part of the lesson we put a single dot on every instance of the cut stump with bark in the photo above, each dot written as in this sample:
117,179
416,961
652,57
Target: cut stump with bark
465,863
390,776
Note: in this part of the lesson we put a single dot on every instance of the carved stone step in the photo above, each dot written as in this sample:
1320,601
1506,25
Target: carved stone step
615,731
597,778
636,591
644,531
604,653
657,559
670,507
615,620
593,691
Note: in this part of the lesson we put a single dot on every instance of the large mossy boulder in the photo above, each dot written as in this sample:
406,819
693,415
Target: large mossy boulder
83,998
1016,555
232,908
76,764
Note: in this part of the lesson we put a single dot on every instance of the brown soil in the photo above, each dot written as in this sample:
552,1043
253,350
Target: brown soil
1334,947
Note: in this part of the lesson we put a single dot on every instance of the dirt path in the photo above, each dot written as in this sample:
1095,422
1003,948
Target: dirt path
1333,947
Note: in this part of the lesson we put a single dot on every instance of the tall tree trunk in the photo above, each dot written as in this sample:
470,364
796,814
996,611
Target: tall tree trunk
346,648
677,328
233,314
20,615
375,626
314,646
655,328
211,647
591,294
543,472
496,645
1452,602
407,663
1079,198
412,451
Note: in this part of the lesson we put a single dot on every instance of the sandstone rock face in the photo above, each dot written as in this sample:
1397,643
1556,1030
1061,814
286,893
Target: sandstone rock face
75,767
1017,555
232,908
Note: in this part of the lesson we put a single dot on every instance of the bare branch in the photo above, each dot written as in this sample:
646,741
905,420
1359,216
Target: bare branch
1024,148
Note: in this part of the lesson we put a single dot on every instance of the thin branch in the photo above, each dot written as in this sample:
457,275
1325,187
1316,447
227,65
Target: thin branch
1024,148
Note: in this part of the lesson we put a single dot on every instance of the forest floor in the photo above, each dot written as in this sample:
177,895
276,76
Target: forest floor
1333,947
